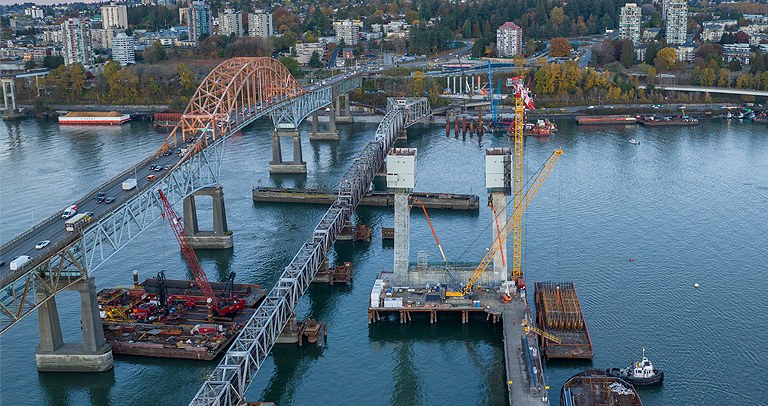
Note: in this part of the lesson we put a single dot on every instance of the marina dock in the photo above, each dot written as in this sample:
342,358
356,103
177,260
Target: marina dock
381,199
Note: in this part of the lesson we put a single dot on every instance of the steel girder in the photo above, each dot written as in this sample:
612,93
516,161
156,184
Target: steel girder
290,115
226,385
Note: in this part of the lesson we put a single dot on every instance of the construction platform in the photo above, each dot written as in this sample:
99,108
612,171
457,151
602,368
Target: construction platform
525,373
594,387
379,199
133,325
558,313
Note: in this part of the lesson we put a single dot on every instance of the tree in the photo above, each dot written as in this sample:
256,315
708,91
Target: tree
30,65
77,79
417,84
292,64
155,53
186,79
741,38
665,59
559,47
627,53
53,62
556,18
314,60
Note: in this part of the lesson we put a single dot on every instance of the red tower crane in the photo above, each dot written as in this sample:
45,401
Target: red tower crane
224,304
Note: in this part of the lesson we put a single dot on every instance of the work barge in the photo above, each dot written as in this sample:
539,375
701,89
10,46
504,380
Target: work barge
559,314
134,324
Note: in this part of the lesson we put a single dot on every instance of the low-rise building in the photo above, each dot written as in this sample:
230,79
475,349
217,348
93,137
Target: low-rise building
686,52
650,34
304,51
736,52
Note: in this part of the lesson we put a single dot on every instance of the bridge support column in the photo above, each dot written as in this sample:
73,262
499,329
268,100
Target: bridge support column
94,355
277,165
343,115
9,94
330,135
218,238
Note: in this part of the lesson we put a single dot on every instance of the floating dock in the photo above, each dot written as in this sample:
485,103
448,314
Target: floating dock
380,199
133,325
595,387
559,314
524,370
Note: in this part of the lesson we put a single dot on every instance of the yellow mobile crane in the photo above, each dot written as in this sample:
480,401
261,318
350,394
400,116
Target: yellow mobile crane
510,224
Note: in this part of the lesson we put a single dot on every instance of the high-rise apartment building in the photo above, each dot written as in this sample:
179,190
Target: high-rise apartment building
34,12
199,20
677,21
509,40
629,22
347,30
231,22
123,49
76,42
260,24
114,16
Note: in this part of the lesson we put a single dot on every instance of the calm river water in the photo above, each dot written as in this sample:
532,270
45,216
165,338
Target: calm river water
687,204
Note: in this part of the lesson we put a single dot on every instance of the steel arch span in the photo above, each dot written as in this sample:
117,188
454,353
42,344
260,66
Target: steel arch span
234,90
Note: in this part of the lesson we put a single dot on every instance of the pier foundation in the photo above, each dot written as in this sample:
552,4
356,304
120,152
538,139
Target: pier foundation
93,355
278,165
218,238
343,114
330,135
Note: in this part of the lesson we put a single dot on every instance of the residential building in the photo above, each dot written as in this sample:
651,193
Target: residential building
686,52
183,20
348,30
757,39
101,38
736,52
21,22
677,21
304,51
509,40
629,23
199,20
123,49
650,34
712,32
76,40
52,35
231,22
114,16
34,12
260,24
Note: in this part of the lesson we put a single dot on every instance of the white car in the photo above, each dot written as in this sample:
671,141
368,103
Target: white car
42,244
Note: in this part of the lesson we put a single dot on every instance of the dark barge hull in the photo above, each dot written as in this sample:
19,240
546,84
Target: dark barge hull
558,312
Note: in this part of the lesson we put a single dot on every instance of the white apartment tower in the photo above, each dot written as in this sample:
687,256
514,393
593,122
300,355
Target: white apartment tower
509,40
114,16
231,22
123,49
260,24
348,30
677,21
34,12
629,23
76,42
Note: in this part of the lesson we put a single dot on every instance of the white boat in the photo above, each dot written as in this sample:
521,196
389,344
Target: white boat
634,141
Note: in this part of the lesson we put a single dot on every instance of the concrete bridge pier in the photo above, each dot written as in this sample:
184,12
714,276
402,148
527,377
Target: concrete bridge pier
93,355
220,237
343,113
331,134
9,93
278,165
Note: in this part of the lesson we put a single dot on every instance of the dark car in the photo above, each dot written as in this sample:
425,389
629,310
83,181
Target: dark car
152,167
167,153
109,200
100,197
2,264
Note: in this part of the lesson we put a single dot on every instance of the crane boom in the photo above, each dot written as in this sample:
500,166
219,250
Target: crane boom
434,234
510,224
194,264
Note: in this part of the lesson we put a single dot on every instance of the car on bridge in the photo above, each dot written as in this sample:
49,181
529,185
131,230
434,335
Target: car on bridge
69,211
42,244
109,200
100,197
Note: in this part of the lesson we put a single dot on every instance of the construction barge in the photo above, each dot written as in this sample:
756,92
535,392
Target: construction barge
593,388
609,119
559,315
135,324
379,199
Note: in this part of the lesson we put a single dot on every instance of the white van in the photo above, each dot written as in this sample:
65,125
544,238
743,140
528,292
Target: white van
19,262
69,211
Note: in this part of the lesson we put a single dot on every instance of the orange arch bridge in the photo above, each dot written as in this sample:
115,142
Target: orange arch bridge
241,90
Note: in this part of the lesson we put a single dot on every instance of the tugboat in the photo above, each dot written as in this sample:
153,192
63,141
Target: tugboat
640,373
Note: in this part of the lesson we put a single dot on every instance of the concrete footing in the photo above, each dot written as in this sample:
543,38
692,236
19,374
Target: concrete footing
343,114
218,238
93,355
290,334
277,165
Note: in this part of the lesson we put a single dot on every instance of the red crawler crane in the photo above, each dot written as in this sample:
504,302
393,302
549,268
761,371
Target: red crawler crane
224,304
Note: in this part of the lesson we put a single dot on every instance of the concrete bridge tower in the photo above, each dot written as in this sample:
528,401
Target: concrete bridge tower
401,178
498,182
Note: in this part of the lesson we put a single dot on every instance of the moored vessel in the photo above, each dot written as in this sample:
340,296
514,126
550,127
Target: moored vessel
610,119
668,121
94,118
597,388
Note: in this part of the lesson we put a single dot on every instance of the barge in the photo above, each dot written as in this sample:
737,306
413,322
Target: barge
559,314
596,388
668,121
94,118
609,119
135,323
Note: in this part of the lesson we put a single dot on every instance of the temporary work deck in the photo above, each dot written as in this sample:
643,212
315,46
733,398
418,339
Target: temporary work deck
382,199
524,371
